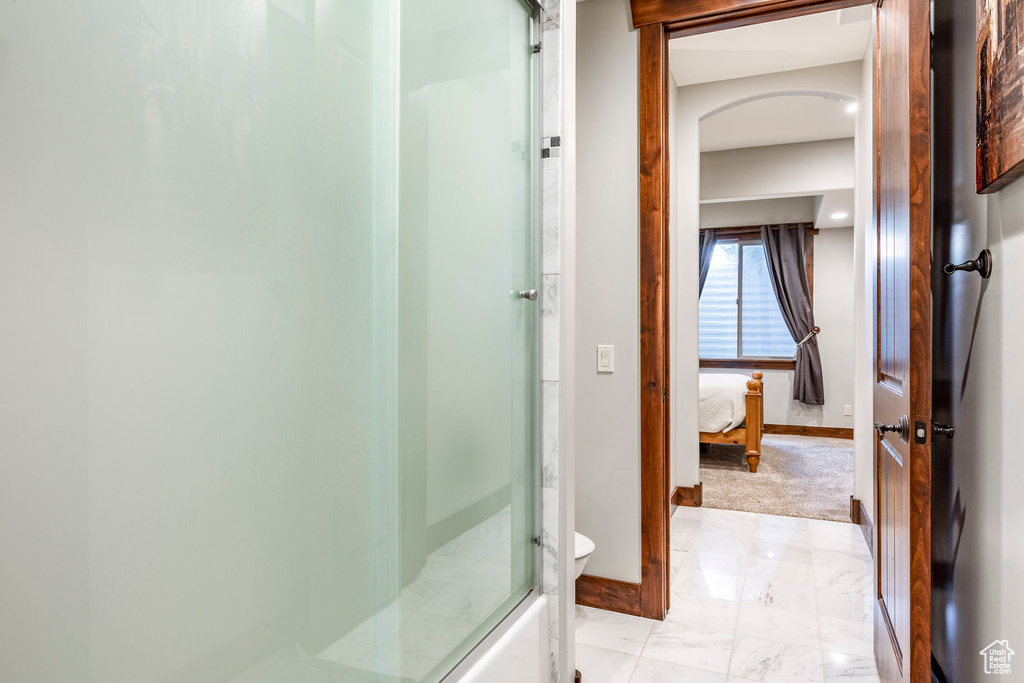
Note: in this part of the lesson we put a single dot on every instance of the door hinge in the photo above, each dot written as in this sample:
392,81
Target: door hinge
931,50
664,394
536,48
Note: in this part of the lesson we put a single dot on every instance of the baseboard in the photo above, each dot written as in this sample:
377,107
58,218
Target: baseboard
462,521
609,594
804,430
688,496
859,516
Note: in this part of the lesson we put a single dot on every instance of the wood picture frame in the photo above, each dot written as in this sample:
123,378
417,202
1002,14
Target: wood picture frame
1000,92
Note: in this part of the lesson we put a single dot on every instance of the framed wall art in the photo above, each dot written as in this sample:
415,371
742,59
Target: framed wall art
1000,143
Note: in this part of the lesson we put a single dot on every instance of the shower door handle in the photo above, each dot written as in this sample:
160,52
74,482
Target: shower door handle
528,294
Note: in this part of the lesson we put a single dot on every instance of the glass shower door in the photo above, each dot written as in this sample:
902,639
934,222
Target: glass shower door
269,359
469,320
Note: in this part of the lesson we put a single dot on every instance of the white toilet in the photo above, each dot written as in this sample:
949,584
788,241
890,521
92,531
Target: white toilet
584,546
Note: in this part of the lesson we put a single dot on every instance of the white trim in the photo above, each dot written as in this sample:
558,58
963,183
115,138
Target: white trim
567,344
483,655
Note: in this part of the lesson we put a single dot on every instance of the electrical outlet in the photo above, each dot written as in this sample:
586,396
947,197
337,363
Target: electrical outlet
847,411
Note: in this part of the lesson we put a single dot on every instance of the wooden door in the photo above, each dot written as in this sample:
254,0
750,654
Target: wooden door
902,389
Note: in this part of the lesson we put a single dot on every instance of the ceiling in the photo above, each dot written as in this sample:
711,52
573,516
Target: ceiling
758,212
829,209
835,209
778,121
798,43
803,42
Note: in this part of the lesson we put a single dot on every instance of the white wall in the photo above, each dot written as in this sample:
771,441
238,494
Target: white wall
833,312
756,211
777,170
696,102
864,262
673,189
607,310
976,517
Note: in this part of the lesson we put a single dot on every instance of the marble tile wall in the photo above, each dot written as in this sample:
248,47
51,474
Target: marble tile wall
550,178
550,168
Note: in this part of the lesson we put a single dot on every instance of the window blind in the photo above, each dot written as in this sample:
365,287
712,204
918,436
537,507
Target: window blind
738,314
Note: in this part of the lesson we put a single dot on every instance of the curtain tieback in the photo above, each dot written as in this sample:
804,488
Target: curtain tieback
814,330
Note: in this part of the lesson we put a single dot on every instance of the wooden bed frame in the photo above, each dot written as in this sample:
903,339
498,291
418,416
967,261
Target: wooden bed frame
749,433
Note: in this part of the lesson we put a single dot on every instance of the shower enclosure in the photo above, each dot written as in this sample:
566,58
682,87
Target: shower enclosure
268,355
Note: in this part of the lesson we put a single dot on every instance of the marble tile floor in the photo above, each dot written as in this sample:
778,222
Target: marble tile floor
754,598
461,583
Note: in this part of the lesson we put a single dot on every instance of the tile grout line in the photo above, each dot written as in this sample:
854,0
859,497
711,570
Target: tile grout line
633,669
817,615
736,626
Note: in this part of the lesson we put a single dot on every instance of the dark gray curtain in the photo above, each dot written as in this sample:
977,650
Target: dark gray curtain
784,250
707,248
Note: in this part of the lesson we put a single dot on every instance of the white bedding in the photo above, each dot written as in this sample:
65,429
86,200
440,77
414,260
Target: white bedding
723,402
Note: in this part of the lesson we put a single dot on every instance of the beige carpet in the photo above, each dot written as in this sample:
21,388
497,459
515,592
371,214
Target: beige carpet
799,476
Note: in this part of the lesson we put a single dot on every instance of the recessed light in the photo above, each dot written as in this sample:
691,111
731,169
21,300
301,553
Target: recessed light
839,215
851,108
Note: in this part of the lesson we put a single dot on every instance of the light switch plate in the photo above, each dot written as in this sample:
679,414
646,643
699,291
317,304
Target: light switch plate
605,359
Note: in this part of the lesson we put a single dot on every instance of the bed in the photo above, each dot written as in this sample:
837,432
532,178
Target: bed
731,411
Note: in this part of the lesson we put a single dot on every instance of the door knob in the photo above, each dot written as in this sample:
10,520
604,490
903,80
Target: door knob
943,430
982,265
901,428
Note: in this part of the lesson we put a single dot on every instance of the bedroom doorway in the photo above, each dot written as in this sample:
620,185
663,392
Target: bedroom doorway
762,449
765,158
892,244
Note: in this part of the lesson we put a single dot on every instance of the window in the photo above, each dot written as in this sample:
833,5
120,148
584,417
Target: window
738,317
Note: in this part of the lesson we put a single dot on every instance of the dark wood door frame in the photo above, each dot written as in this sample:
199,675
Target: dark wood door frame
654,332
656,21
